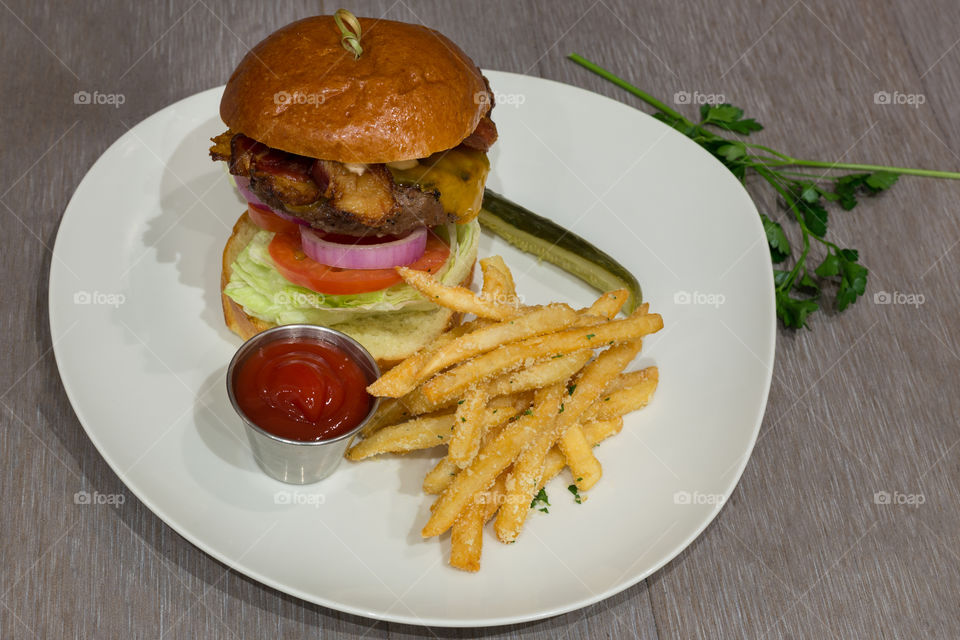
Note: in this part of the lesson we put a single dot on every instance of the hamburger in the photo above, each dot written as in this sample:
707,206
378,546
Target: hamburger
352,165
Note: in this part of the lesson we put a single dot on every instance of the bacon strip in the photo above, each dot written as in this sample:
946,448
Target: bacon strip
483,136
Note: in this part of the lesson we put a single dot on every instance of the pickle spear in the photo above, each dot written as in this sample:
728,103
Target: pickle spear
549,241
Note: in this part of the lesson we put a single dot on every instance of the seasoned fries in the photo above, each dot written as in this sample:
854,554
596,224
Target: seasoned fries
522,482
493,458
511,356
516,396
583,393
529,324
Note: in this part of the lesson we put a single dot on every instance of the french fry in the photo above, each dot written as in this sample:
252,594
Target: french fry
457,298
396,382
609,304
468,427
584,466
491,461
466,535
389,412
627,379
420,433
466,538
635,394
530,323
595,432
440,477
591,382
498,281
512,356
524,477
540,374
495,495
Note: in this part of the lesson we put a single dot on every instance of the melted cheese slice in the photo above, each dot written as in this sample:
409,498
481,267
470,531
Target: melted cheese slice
458,175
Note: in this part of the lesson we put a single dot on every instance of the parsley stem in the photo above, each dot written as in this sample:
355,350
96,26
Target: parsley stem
782,156
623,84
907,171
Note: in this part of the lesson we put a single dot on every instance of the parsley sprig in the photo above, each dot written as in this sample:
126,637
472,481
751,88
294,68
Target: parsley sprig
804,194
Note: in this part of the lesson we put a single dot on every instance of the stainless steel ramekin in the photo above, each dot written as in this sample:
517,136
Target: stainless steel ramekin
293,461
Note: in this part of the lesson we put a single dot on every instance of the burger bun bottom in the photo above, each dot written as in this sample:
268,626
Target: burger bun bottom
390,337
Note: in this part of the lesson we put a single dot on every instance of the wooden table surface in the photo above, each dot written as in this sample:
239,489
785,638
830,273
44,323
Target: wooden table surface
866,402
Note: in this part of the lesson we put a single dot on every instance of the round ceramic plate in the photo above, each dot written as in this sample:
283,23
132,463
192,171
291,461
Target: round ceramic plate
142,349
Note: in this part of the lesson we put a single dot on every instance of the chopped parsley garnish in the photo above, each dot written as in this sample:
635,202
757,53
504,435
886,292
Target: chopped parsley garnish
576,494
571,388
590,336
540,498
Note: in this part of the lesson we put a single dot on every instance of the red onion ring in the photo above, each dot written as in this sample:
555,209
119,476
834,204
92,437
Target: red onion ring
364,256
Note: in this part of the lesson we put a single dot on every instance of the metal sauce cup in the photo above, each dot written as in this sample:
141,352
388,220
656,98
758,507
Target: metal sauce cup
295,461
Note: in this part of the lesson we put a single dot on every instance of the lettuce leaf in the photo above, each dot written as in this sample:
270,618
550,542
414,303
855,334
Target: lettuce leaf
258,287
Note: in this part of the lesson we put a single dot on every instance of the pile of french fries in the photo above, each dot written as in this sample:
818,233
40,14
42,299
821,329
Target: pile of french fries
515,396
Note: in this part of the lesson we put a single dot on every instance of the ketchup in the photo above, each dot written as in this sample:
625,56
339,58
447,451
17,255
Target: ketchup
299,390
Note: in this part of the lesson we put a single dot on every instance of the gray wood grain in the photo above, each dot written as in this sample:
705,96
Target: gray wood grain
866,402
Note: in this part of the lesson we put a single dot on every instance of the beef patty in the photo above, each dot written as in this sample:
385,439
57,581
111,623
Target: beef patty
335,197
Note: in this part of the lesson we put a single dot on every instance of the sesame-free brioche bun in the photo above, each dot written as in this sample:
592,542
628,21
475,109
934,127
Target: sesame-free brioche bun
390,337
411,93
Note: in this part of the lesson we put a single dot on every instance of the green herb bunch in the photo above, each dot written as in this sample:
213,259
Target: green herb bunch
801,288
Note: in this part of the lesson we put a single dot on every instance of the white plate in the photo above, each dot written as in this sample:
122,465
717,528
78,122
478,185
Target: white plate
142,348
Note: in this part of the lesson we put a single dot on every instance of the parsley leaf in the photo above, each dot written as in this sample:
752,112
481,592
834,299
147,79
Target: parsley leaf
540,498
777,239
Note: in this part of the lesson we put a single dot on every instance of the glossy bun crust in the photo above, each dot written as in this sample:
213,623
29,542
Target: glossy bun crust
411,93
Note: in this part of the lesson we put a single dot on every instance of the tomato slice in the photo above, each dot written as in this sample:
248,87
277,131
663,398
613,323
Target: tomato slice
295,266
269,221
